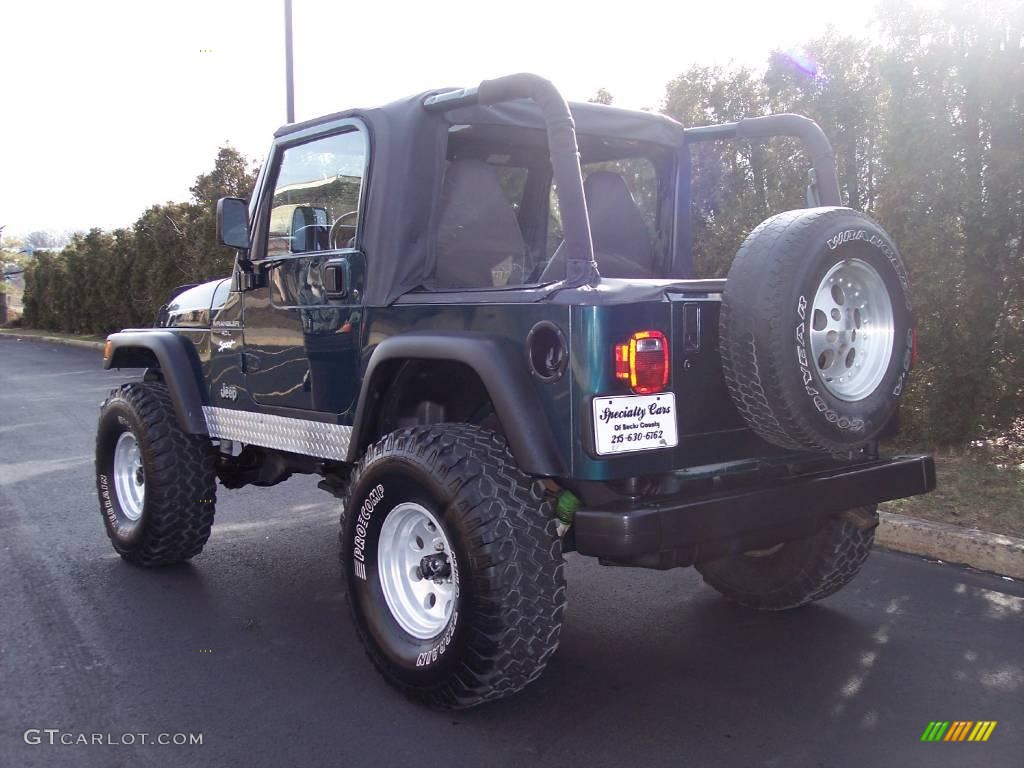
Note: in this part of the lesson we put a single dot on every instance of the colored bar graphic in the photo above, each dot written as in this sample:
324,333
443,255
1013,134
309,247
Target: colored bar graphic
935,730
958,730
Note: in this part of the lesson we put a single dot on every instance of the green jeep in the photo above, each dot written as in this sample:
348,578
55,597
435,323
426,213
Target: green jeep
474,314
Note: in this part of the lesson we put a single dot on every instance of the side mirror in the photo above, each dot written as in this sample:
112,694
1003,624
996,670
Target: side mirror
233,223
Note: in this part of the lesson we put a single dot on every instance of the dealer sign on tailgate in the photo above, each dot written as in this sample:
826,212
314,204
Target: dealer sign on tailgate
638,423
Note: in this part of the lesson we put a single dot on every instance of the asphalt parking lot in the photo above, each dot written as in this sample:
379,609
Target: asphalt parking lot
251,646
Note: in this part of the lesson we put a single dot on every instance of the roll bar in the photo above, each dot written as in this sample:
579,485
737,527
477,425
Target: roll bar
825,182
580,267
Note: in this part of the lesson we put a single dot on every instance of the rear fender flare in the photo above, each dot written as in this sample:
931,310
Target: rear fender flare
504,375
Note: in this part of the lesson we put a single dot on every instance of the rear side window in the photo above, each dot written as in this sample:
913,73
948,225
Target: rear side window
480,243
641,178
499,225
315,205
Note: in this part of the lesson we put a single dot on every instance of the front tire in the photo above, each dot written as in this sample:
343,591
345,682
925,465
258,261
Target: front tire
453,567
157,485
797,572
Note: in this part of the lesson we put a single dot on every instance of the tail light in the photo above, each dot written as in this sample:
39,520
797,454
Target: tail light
642,362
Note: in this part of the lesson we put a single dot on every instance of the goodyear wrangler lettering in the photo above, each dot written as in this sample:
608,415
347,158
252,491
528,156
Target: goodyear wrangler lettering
848,235
844,237
855,424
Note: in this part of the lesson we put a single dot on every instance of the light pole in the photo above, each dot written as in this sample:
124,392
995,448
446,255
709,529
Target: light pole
289,74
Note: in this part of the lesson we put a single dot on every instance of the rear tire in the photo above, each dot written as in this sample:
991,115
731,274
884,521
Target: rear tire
157,485
797,572
488,624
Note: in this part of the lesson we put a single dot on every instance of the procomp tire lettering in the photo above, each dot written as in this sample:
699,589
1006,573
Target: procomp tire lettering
108,503
373,498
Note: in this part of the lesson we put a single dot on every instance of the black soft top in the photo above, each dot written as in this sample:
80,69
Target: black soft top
407,159
595,119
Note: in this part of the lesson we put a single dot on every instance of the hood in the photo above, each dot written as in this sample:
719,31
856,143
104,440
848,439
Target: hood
195,306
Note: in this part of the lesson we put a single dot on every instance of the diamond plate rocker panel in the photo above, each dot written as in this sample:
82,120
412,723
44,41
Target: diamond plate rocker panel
309,438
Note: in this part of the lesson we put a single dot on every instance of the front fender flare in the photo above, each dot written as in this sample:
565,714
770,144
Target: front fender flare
502,370
179,365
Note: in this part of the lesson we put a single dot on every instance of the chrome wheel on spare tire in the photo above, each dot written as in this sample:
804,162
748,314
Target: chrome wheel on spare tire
816,330
851,329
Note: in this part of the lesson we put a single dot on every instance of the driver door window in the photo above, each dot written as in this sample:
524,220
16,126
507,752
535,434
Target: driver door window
315,204
302,341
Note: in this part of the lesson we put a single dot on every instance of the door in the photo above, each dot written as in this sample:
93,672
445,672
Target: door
302,326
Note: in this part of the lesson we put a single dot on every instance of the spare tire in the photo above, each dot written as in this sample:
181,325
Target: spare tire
816,330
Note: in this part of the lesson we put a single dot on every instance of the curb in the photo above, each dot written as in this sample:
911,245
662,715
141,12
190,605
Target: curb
67,342
993,552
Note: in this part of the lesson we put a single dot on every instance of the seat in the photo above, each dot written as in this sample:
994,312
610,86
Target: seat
479,243
622,241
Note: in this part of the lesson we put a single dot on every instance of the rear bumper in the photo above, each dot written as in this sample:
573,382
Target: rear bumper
665,532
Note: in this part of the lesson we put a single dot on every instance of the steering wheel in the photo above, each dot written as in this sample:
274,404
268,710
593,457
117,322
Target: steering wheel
342,231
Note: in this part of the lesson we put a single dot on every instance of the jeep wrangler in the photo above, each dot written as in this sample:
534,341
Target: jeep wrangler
474,314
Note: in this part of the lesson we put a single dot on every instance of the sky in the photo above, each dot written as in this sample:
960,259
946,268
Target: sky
110,107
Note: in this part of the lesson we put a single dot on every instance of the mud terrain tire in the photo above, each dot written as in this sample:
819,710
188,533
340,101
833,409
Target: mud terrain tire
169,519
797,572
504,580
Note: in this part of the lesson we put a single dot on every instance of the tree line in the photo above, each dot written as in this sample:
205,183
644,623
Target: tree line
104,281
927,124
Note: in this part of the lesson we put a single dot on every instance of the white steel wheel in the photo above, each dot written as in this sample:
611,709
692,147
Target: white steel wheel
852,330
129,476
415,566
